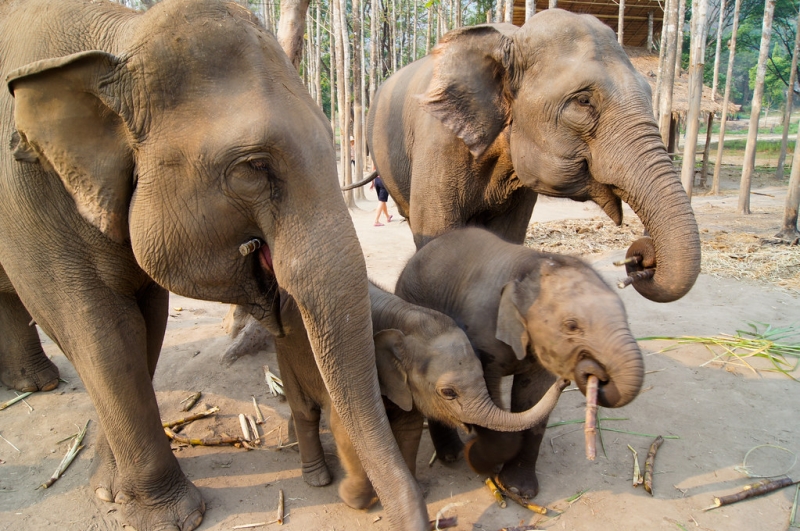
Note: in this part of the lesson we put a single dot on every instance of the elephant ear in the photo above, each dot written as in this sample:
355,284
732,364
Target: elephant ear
469,90
512,328
389,351
67,124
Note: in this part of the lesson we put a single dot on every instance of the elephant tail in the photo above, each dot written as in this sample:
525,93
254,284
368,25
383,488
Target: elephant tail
369,178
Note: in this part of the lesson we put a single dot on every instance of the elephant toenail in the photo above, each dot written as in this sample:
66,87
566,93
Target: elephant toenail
103,494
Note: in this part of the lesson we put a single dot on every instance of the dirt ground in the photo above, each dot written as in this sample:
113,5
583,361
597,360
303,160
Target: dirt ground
717,412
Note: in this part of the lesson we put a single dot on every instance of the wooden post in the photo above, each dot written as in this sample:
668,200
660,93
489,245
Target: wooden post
668,81
530,9
703,171
715,82
621,22
553,4
662,50
650,31
696,66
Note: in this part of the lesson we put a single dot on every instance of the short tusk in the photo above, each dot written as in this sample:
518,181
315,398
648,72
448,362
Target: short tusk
250,246
636,275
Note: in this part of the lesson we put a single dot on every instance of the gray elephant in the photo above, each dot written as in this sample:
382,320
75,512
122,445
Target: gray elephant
535,315
470,134
145,148
426,367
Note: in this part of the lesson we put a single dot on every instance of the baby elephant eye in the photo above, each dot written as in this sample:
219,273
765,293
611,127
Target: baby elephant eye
448,393
571,326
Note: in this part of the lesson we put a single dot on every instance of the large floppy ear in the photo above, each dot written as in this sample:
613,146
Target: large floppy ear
512,328
389,349
469,91
67,121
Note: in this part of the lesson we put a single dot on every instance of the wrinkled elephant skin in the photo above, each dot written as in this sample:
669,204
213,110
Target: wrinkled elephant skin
536,316
470,134
145,148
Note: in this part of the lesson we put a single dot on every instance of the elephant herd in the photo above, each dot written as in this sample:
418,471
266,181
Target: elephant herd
139,151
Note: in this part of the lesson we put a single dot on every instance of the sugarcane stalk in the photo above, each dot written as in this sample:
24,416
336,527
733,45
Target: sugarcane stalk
190,418
498,496
529,527
513,496
68,458
444,523
253,429
259,416
637,473
590,426
753,490
16,399
245,428
792,517
210,441
190,401
648,464
280,507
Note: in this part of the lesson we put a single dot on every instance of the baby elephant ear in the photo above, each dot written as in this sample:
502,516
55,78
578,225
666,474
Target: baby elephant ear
512,329
389,351
67,121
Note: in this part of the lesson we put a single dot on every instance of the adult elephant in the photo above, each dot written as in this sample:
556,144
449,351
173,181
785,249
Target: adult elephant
145,148
470,134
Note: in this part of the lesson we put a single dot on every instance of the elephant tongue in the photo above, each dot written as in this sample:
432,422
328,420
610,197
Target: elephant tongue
265,258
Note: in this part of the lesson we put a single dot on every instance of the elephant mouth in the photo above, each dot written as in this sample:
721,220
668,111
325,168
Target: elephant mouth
267,309
607,394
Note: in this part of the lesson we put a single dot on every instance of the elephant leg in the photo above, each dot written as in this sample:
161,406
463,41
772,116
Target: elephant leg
153,303
23,364
489,449
446,441
356,490
312,456
512,224
519,472
407,431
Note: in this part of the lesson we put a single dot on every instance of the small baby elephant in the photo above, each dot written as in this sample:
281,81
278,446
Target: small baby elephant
426,367
533,315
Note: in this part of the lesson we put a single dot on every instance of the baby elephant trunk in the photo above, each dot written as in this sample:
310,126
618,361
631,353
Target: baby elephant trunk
492,417
621,377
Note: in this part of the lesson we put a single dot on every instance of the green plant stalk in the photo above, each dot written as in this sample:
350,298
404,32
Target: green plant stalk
71,453
16,399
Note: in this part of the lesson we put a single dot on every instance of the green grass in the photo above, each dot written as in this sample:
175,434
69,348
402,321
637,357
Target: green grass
771,147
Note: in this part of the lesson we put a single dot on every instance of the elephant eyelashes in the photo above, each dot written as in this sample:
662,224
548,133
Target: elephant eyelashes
571,326
448,393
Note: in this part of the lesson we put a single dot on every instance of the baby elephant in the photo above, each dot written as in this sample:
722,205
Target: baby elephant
533,315
426,367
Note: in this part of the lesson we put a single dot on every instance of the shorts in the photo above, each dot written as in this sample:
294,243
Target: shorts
383,193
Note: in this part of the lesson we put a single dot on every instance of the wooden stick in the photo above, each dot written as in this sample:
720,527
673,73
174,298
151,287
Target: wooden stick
190,418
519,499
280,507
751,491
191,400
648,464
71,453
498,496
590,427
16,399
210,441
259,416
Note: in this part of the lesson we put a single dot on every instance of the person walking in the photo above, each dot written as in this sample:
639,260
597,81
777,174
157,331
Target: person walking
383,197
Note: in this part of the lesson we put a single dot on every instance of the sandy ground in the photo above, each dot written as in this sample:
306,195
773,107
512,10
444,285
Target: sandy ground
717,412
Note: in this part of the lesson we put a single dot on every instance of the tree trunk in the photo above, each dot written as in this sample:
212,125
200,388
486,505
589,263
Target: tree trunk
715,81
509,15
393,35
291,28
373,49
668,78
358,167
698,48
552,4
650,32
752,133
706,150
318,58
414,33
530,9
726,98
621,22
341,97
789,231
787,115
662,50
679,33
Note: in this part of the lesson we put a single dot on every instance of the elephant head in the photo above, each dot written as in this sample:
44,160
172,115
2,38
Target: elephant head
579,123
195,136
442,377
575,325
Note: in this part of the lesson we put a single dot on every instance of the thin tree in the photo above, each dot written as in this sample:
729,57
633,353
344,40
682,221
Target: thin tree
509,12
373,49
662,50
358,170
291,28
696,66
752,133
787,115
668,78
715,80
342,99
789,232
621,22
530,9
318,57
681,31
726,98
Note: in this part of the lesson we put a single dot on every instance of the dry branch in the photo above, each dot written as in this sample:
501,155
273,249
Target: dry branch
190,418
590,427
648,464
753,490
190,401
280,507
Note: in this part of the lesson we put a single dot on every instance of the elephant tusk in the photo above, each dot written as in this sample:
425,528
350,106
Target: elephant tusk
250,246
634,276
635,259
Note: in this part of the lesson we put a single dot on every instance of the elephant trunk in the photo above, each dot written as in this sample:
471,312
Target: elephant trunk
621,373
673,250
488,415
324,271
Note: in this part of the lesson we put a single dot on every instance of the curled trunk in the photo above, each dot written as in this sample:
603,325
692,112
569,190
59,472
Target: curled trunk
488,415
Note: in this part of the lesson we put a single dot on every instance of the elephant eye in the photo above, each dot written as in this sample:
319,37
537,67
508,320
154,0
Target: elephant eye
571,326
448,393
260,165
583,100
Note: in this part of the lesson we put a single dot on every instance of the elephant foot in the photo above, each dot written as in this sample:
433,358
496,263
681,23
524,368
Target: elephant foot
357,493
519,480
446,441
104,470
180,508
28,371
317,473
